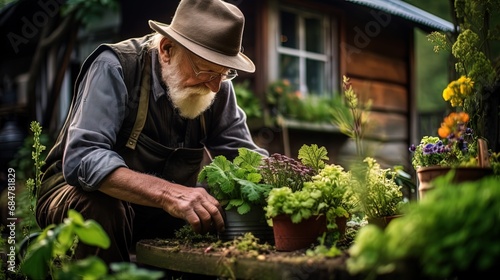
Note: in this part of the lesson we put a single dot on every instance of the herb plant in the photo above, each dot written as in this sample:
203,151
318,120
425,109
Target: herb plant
237,183
375,189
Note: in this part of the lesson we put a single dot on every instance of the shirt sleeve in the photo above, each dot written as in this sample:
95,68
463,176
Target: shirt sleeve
229,131
100,110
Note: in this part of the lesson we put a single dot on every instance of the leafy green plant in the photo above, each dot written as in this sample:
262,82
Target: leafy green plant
48,254
452,234
375,189
237,183
51,254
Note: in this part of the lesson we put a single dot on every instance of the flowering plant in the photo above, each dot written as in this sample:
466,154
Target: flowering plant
455,146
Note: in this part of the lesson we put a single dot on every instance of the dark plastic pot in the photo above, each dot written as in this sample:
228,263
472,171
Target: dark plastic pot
254,221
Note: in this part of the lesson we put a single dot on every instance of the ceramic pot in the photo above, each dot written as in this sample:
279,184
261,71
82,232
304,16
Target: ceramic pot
254,221
289,236
427,174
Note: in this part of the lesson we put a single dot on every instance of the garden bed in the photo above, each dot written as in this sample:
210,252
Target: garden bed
206,258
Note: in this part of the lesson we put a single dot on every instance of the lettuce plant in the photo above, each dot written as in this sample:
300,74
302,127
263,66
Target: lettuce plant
236,183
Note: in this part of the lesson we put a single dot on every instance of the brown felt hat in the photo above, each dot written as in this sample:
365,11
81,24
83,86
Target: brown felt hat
212,29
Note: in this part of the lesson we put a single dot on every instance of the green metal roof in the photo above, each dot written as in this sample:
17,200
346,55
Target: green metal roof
407,11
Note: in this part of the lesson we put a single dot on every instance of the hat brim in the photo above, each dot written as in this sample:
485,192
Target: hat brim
238,62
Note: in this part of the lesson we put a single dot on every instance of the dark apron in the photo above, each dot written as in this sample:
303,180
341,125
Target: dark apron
143,154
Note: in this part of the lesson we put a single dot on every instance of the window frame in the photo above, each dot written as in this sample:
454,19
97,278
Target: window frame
329,57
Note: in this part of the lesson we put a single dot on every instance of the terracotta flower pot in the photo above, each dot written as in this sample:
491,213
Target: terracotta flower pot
427,174
289,236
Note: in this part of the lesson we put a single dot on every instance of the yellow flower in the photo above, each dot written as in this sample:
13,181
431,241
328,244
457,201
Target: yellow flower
457,91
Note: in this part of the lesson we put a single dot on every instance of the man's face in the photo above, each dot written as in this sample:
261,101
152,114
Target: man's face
190,99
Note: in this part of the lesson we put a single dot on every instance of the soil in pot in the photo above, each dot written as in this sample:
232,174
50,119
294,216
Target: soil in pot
289,236
254,221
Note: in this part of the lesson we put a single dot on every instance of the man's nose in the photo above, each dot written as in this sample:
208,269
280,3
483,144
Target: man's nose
214,85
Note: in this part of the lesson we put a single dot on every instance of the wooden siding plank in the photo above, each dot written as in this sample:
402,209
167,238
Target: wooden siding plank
384,96
375,67
387,127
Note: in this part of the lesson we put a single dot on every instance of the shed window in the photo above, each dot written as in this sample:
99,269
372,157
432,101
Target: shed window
304,52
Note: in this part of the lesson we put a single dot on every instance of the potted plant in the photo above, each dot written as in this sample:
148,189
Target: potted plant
456,149
307,197
238,186
379,198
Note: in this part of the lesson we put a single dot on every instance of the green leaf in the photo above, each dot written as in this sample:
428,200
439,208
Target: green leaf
75,217
313,157
248,159
37,260
92,233
65,237
236,202
130,271
89,268
244,208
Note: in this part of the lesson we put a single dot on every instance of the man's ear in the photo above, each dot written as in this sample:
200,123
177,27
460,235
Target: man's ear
165,46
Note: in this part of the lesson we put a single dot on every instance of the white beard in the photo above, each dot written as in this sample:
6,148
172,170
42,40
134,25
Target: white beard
189,101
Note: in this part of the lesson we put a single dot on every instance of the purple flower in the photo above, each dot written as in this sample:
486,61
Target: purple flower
412,148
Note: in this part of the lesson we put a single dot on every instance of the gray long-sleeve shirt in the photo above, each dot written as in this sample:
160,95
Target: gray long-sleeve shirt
101,108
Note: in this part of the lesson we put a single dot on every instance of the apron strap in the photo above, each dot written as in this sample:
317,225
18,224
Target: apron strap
204,130
142,111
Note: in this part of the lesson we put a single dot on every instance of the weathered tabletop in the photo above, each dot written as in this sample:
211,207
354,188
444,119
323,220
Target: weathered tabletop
216,262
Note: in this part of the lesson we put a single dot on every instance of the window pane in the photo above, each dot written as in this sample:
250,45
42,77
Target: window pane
315,77
288,36
290,70
314,35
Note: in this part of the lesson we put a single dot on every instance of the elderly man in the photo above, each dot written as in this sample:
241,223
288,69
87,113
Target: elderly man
145,112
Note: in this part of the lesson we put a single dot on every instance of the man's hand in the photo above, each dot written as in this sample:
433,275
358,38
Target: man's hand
201,210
